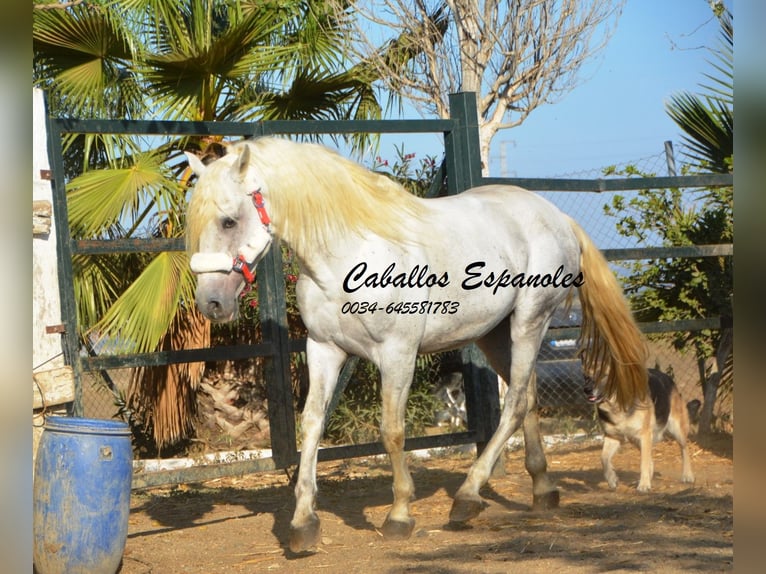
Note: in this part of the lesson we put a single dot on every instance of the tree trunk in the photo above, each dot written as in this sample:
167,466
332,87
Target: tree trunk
713,381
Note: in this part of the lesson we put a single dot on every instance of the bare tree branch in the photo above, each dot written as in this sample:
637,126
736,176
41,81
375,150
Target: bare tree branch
57,5
515,54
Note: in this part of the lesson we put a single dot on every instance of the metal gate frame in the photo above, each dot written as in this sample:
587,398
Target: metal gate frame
462,168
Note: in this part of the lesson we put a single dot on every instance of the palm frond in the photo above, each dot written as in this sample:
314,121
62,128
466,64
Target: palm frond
98,283
100,198
142,315
313,94
80,54
723,62
174,59
708,126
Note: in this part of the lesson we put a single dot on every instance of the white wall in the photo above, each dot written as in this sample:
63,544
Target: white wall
46,306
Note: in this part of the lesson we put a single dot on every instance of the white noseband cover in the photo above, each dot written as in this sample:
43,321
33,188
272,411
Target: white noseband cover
253,253
210,262
223,262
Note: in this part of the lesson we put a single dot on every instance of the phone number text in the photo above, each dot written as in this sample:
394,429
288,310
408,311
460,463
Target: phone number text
401,308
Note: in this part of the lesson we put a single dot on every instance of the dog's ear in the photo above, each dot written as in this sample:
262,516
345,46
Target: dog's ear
213,151
693,407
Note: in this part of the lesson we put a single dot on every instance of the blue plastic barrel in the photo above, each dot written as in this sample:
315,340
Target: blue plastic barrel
81,496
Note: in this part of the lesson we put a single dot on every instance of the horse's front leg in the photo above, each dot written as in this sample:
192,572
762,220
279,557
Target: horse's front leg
324,363
396,381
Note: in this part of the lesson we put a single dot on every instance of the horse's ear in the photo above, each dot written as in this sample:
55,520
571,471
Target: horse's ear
195,163
240,168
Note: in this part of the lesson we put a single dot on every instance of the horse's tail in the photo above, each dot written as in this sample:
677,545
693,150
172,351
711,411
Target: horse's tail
612,349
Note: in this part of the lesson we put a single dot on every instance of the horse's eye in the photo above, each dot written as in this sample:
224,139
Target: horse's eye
228,223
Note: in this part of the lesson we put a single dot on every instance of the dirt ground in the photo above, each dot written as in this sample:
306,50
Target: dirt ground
237,525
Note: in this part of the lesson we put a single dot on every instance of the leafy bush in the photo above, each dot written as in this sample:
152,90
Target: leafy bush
357,417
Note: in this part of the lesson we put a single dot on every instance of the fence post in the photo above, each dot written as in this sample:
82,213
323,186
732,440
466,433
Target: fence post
670,158
463,154
462,146
69,338
273,315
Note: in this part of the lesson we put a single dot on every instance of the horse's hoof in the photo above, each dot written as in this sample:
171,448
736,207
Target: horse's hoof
464,509
546,501
396,529
306,537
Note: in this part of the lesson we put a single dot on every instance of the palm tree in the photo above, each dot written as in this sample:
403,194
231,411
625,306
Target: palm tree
707,123
184,60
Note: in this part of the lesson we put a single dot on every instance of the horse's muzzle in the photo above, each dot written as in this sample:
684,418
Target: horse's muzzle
216,311
217,296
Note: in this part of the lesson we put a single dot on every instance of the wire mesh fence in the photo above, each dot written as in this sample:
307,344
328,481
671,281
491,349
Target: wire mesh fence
559,376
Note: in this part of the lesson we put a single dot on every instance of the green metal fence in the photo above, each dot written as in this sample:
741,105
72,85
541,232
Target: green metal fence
462,169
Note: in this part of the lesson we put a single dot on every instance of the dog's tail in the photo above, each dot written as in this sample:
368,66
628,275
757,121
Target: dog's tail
612,348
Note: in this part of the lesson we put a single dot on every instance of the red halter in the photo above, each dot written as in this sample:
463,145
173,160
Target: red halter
240,263
261,208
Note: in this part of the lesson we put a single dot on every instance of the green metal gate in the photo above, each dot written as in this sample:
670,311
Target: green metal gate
462,168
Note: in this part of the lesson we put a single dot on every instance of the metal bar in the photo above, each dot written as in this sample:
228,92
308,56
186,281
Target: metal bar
479,380
201,473
616,184
139,245
98,247
435,188
463,109
164,127
670,158
678,252
153,127
713,323
206,472
356,126
273,315
208,354
482,400
453,166
413,443
681,325
69,339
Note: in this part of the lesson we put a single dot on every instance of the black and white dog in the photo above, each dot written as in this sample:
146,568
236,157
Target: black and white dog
450,391
644,424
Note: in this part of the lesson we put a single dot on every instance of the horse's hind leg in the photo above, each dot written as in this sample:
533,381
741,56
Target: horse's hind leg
468,503
544,493
396,378
496,348
324,363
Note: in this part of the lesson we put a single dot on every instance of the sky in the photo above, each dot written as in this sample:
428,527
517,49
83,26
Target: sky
616,114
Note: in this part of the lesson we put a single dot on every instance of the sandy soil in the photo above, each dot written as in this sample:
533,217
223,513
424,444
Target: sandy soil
240,524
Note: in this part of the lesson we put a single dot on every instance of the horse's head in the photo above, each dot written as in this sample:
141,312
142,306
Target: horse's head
228,231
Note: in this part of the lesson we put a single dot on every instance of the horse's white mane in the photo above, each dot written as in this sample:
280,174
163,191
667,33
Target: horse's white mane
314,195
